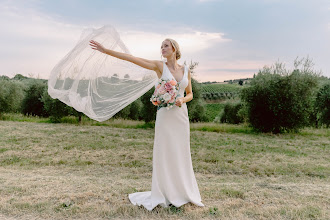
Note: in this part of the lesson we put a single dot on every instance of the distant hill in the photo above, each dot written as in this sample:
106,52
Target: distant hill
231,81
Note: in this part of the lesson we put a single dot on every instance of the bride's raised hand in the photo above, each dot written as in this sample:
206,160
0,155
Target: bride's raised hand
97,46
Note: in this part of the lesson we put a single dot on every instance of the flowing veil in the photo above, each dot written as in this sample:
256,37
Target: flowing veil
97,84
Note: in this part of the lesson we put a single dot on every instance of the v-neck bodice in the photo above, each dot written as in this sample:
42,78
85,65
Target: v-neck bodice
184,70
167,75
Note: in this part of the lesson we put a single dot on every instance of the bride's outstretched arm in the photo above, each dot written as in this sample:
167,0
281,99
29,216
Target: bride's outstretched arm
147,64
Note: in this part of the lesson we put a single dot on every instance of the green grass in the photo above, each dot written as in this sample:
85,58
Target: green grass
213,110
212,88
86,171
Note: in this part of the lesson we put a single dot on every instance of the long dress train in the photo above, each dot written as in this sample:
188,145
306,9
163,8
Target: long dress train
173,178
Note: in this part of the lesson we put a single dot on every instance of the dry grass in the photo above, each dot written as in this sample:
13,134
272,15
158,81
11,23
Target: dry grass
64,171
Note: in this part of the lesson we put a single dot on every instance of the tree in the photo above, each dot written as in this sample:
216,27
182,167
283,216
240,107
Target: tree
231,114
323,105
54,107
280,100
19,77
11,96
148,110
196,107
4,78
32,103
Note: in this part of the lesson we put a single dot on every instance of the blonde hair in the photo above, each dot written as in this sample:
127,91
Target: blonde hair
176,47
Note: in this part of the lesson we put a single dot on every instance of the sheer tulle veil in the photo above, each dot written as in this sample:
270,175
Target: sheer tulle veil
97,84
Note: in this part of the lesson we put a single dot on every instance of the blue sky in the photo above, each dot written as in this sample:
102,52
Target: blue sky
229,38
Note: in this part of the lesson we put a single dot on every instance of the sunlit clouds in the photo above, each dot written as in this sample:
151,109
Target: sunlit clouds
229,39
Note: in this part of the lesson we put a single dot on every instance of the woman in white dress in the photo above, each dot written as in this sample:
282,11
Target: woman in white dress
173,178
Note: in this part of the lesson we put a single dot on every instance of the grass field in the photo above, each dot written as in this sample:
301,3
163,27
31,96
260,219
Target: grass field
221,88
68,171
213,110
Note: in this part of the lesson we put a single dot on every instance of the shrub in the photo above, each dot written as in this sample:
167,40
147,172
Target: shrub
278,100
148,110
197,111
54,107
11,96
132,111
135,110
123,113
322,105
32,103
196,108
230,113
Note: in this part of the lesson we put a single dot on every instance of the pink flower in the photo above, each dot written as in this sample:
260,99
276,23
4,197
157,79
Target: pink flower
158,86
162,90
168,86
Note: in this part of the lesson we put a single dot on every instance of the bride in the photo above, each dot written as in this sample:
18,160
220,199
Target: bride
173,178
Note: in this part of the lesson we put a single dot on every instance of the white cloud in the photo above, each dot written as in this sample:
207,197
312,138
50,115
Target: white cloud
220,70
33,42
147,44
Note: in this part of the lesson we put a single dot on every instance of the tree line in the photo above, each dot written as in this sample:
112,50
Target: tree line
279,100
276,100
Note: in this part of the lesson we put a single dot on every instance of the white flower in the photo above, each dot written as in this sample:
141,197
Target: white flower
167,97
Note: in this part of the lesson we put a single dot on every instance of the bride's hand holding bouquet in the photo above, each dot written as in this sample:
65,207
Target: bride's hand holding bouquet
166,94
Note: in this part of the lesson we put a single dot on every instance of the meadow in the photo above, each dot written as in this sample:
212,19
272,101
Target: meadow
87,170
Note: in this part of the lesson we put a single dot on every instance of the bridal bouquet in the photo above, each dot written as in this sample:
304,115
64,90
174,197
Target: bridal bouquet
165,94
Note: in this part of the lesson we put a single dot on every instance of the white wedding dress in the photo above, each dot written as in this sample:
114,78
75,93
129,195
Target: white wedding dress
173,178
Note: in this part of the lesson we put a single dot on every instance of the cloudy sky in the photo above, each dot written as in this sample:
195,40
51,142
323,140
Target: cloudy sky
229,38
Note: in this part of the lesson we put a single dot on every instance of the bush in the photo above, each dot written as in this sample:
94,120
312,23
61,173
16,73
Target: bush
278,100
322,105
32,103
124,113
54,107
135,110
197,111
11,96
132,111
196,107
230,113
148,110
